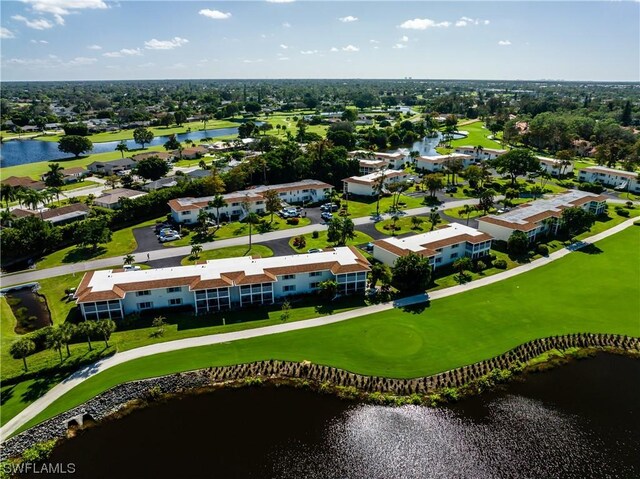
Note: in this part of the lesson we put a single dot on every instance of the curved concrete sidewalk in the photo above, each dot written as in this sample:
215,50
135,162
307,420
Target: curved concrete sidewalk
89,371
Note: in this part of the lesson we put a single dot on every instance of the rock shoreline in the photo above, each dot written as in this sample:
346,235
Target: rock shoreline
118,397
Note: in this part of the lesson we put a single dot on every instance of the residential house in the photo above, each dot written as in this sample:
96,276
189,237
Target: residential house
442,246
57,216
366,185
395,160
24,182
111,198
185,210
541,216
554,167
70,175
112,167
150,154
439,163
618,179
219,284
479,153
191,152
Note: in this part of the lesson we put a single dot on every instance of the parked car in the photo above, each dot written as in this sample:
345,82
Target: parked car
167,231
161,226
369,247
131,267
329,207
314,250
326,216
169,237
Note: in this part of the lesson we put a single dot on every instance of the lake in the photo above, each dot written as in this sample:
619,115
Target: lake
18,152
578,421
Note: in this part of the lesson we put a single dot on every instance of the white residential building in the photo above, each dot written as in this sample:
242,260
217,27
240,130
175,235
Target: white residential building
366,185
554,167
395,160
442,246
185,210
479,153
541,216
439,162
219,284
618,179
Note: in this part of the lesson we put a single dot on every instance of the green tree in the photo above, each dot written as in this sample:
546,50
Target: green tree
347,230
516,163
487,198
54,177
8,194
379,272
272,202
433,183
334,230
378,187
105,327
328,289
180,117
196,249
434,218
75,144
626,117
467,210
160,325
285,311
576,220
411,273
22,348
461,265
142,136
55,341
518,243
172,143
67,330
87,328
128,259
122,148
217,202
152,168
92,232
415,222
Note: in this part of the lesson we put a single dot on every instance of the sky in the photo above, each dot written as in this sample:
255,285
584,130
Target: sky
511,40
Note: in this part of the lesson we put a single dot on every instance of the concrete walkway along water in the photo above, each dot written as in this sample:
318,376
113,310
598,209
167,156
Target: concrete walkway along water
91,370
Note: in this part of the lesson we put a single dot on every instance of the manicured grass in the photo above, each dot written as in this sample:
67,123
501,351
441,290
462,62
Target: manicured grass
122,243
447,277
230,252
404,225
234,229
79,184
157,131
322,243
450,332
460,214
477,137
361,206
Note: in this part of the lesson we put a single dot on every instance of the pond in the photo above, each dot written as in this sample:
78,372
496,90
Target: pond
17,152
427,146
29,308
577,421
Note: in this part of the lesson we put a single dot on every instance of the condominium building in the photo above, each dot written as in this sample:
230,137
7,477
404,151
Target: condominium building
366,185
618,179
439,162
394,160
185,210
541,216
554,166
219,284
480,153
442,246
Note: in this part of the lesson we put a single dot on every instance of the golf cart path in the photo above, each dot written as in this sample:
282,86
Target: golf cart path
91,370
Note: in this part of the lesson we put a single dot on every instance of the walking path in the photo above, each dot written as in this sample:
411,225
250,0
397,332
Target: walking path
91,370
182,251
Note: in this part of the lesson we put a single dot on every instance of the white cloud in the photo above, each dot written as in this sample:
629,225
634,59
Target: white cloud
175,42
286,25
42,42
6,33
466,21
283,46
94,47
486,22
214,14
125,52
52,61
398,46
461,23
350,48
504,43
36,24
259,60
308,52
404,38
334,49
147,65
79,61
64,7
374,41
348,19
283,58
423,24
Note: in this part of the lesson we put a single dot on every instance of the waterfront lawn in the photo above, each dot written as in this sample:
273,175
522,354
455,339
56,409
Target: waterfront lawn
366,206
404,225
321,241
230,252
477,137
448,333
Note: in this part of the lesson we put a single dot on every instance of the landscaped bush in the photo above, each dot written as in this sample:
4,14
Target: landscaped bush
299,242
543,250
293,221
315,235
591,187
500,264
620,211
480,266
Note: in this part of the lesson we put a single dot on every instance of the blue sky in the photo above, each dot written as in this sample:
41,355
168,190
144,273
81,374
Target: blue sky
97,39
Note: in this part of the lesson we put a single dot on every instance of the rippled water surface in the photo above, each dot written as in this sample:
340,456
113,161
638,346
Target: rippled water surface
578,421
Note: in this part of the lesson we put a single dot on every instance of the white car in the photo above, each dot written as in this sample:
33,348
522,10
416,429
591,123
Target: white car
131,267
169,237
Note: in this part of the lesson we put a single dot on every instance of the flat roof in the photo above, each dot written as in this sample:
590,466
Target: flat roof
372,177
611,171
113,284
442,158
427,243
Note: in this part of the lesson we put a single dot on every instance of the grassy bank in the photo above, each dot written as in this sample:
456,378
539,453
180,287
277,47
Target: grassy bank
450,332
230,252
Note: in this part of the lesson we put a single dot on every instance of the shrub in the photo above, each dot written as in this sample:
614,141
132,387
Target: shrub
253,381
450,394
293,221
622,212
39,451
480,266
315,235
543,250
629,204
299,242
591,187
500,264
153,393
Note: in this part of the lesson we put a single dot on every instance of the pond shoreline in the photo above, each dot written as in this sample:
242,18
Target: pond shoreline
537,355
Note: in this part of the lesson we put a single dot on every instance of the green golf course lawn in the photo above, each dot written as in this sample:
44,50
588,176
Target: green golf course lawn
595,291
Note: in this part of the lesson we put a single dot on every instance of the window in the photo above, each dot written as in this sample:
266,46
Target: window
289,289
315,273
454,255
176,289
454,246
185,213
145,305
438,260
235,204
143,293
175,301
314,285
288,276
439,250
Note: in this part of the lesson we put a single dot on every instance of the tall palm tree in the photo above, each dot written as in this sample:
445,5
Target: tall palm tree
217,202
196,249
122,147
32,199
55,191
434,218
467,210
378,186
128,259
86,328
54,176
8,194
6,217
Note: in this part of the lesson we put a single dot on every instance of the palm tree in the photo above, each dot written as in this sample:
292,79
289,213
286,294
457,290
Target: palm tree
6,217
378,186
434,218
416,222
203,220
129,259
21,349
251,218
54,176
86,328
105,327
196,249
32,199
7,193
122,147
217,202
55,341
66,334
467,210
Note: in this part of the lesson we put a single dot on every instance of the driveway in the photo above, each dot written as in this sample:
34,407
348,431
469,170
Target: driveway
146,239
